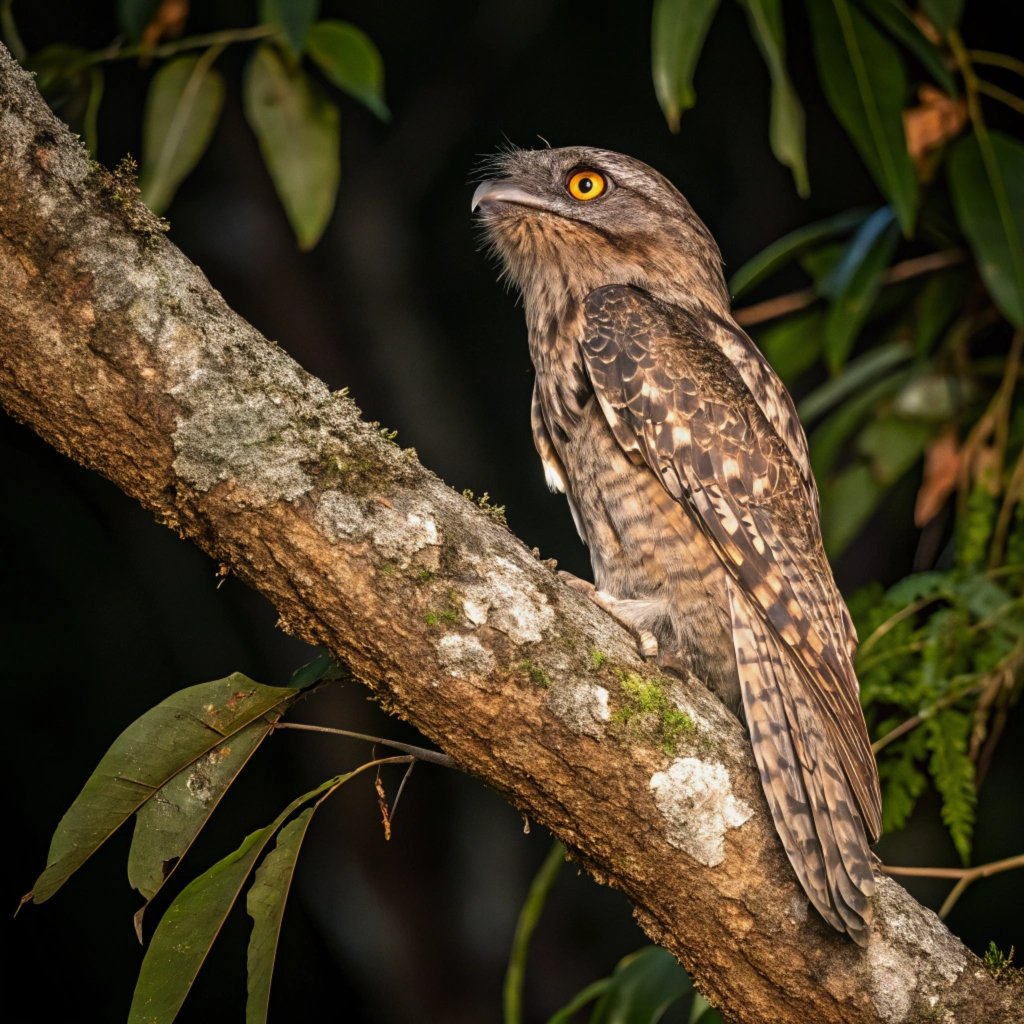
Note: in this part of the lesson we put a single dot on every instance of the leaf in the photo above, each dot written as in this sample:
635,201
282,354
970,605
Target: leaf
830,437
642,987
930,125
893,445
986,174
147,755
943,14
953,774
865,83
348,57
854,284
786,126
182,108
787,248
897,21
71,85
193,921
586,995
298,133
678,29
265,903
323,666
134,15
293,18
846,505
166,827
858,372
942,463
793,344
938,301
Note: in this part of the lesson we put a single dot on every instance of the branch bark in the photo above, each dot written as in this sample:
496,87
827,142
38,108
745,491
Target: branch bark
118,352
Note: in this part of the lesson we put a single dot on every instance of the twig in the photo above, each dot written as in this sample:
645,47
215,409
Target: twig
964,876
772,309
421,753
223,38
996,92
997,60
915,720
401,789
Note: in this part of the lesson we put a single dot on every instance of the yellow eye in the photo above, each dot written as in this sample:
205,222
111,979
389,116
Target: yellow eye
586,185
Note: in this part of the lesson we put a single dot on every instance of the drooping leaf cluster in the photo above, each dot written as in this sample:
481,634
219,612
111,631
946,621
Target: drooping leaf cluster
288,87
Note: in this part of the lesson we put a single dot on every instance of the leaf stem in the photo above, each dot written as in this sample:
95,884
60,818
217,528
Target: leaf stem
772,309
421,753
997,92
996,60
964,876
223,38
11,35
528,918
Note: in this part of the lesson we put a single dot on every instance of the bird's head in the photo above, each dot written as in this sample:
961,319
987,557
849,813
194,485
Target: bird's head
578,218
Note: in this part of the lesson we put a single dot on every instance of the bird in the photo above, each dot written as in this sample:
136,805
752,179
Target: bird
687,473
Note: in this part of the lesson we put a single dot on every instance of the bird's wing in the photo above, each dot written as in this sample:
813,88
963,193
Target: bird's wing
675,401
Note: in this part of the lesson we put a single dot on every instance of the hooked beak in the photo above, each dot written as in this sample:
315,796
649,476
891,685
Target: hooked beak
503,192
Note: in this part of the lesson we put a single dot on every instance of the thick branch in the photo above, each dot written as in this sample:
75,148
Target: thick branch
117,351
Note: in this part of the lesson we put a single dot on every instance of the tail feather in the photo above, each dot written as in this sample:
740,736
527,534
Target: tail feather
811,801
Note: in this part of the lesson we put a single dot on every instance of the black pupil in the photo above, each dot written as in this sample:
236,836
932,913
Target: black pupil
585,185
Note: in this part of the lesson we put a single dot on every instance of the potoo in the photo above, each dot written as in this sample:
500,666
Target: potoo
686,471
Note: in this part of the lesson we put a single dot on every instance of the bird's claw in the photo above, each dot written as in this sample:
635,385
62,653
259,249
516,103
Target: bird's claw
647,643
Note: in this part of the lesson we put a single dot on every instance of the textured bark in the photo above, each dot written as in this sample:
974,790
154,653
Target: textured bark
118,352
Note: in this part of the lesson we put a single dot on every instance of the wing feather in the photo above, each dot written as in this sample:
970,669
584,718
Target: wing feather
674,401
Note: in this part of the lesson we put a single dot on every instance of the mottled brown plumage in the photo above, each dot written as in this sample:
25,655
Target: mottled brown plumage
687,474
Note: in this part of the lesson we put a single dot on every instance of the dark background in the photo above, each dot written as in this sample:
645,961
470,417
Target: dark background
105,612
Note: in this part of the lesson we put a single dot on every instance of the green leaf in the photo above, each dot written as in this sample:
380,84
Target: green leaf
643,986
793,344
678,29
265,904
134,15
298,133
986,175
786,126
865,83
71,86
846,505
953,774
893,445
182,108
193,921
897,21
938,301
148,754
586,995
789,247
854,284
348,57
943,14
293,18
165,828
323,666
857,374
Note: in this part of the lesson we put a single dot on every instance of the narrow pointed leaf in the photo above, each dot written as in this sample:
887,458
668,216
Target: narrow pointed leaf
348,57
298,132
855,283
847,503
793,344
166,827
786,126
265,903
147,755
293,18
593,991
789,247
678,29
896,19
182,108
134,15
987,180
943,14
193,921
865,83
644,985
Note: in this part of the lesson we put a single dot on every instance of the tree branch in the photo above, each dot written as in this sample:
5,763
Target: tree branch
117,351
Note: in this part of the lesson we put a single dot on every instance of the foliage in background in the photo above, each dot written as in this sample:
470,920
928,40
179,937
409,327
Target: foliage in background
293,114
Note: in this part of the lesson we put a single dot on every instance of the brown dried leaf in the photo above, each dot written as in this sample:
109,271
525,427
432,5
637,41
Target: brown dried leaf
942,462
382,803
937,119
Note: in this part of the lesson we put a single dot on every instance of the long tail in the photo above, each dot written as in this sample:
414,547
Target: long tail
810,798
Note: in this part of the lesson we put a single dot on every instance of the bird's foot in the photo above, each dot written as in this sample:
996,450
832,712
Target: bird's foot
618,609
